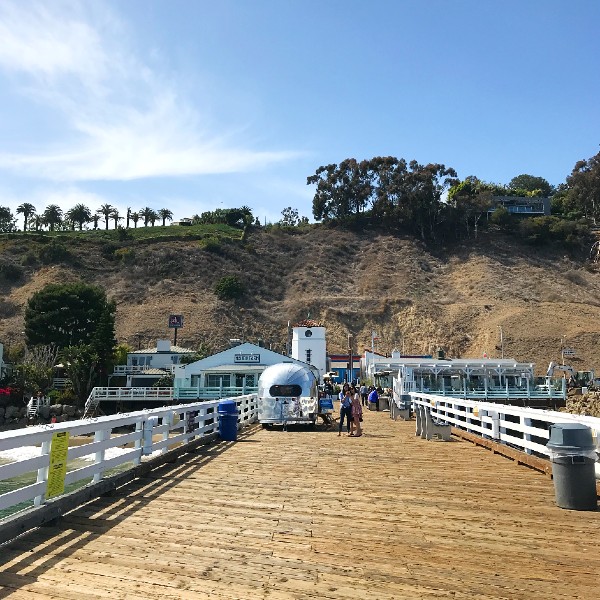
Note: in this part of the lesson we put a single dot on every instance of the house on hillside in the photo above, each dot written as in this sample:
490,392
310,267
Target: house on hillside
145,367
522,206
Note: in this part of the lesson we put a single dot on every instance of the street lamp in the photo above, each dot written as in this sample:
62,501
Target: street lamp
501,342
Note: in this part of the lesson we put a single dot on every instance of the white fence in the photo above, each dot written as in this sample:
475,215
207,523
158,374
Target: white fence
108,451
526,429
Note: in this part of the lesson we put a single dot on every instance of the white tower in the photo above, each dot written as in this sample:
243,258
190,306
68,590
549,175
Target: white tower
309,346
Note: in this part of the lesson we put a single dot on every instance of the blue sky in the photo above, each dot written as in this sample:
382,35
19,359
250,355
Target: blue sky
194,105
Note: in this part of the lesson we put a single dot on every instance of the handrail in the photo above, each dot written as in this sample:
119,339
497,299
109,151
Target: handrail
29,449
522,427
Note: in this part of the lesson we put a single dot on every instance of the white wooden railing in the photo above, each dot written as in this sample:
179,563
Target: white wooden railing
141,369
29,449
526,429
165,394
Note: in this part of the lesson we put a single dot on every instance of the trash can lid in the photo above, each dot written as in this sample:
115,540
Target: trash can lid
227,406
565,436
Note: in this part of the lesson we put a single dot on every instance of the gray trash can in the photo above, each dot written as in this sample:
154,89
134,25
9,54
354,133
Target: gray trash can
573,454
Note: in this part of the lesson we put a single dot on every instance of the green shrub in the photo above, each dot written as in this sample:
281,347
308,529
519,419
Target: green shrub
211,244
108,250
29,259
229,288
11,272
125,255
55,252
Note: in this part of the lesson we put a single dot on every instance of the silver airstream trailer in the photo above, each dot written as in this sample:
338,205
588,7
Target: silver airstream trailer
287,393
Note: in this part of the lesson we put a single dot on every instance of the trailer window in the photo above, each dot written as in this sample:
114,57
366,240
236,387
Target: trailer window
285,390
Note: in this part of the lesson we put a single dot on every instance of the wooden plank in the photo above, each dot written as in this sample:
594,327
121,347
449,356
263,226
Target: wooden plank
306,514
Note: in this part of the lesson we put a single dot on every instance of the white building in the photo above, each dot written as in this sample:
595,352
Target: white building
233,372
146,366
309,345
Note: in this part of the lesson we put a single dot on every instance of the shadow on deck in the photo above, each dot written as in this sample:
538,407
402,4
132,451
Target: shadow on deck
307,514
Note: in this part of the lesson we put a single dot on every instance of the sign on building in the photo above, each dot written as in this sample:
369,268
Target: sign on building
247,358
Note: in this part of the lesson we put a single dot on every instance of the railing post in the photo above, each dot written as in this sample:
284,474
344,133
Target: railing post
42,474
100,436
526,422
168,421
138,442
148,428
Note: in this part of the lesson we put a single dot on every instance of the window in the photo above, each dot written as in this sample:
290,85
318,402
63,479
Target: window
285,390
308,356
215,380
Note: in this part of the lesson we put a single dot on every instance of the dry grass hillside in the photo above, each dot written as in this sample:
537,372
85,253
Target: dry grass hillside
414,298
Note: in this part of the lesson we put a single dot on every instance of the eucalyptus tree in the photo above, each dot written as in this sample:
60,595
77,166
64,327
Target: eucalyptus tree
52,216
79,214
165,214
106,210
583,187
27,210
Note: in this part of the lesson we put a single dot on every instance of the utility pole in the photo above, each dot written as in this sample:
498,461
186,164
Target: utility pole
350,358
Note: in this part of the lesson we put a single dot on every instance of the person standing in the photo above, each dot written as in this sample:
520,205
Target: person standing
345,411
356,415
364,394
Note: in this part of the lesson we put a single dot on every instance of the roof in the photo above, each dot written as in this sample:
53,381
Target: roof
151,372
172,350
308,323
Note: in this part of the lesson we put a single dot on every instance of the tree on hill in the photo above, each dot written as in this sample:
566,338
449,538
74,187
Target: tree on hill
135,217
52,216
165,214
105,210
7,220
583,187
530,183
149,215
80,214
114,215
27,210
289,217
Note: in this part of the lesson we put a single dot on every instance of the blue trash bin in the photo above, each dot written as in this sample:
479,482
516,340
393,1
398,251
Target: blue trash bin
228,420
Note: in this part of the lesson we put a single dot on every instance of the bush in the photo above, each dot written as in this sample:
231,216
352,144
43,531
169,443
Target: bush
11,272
229,288
55,252
125,255
211,244
29,259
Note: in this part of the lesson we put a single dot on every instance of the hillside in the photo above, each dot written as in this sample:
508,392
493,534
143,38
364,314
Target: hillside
414,298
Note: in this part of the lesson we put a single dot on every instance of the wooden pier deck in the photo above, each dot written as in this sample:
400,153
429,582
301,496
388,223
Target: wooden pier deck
307,514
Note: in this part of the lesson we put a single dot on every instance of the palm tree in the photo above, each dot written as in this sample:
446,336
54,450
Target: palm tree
95,219
80,214
27,210
115,216
106,210
52,216
128,217
148,215
135,217
164,214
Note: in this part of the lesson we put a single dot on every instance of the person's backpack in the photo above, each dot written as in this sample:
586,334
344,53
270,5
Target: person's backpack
373,396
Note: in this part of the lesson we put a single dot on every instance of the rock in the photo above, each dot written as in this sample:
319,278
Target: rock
56,410
11,412
69,410
2,409
44,412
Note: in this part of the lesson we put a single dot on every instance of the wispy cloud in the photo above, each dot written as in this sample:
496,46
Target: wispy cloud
125,119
